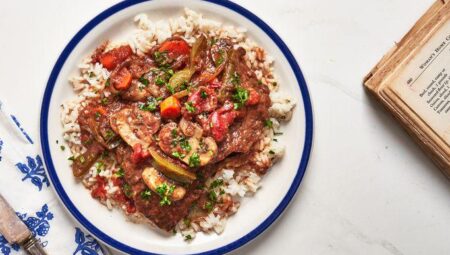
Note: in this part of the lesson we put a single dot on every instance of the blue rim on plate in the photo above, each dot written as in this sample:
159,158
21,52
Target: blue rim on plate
117,244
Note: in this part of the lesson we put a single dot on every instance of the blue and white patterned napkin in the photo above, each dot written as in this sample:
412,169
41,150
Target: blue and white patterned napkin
24,184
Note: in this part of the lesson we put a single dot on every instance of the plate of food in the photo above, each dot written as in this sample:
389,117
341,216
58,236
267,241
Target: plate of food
174,127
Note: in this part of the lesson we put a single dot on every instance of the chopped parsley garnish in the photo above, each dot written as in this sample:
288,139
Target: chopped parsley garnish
162,189
159,81
120,173
189,107
274,83
184,144
91,74
144,81
240,96
150,105
235,79
216,183
188,237
174,133
160,58
221,58
71,158
146,194
104,101
104,154
194,160
212,196
203,94
170,89
272,152
81,159
171,189
187,222
109,134
277,133
165,201
62,147
97,115
108,82
209,206
176,154
268,123
169,72
213,41
165,191
100,166
127,191
260,82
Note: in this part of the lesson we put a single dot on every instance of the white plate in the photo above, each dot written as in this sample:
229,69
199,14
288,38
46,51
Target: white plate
255,214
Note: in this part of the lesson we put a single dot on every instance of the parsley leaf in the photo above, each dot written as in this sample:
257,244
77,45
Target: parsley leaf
190,107
144,81
150,105
235,79
268,123
209,206
165,191
159,81
120,173
194,160
100,166
221,58
161,58
216,183
176,154
127,191
170,89
240,96
184,144
146,194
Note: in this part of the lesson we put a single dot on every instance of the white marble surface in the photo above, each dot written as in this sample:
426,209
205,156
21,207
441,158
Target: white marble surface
368,188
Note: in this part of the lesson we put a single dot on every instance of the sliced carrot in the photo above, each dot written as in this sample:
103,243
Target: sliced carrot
170,108
122,79
101,110
108,60
176,47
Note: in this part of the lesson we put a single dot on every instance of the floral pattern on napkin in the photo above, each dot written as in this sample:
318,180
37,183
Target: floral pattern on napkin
49,223
87,245
34,171
39,225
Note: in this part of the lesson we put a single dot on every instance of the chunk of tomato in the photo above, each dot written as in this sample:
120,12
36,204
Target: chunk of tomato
139,154
253,97
175,48
204,100
115,56
99,190
221,121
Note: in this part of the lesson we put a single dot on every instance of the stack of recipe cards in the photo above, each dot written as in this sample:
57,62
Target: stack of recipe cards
413,82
